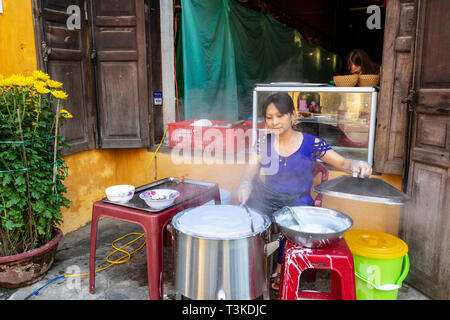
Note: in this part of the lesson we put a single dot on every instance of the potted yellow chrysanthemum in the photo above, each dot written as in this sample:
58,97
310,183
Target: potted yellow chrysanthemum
31,175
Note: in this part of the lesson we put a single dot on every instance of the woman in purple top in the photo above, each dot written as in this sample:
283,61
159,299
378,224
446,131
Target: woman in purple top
286,158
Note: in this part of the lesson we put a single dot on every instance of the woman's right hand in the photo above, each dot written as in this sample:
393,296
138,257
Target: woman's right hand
244,191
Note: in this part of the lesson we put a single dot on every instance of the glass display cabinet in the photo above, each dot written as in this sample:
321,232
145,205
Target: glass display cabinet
344,116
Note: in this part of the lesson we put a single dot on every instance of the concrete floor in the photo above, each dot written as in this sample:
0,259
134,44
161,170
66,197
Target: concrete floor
127,281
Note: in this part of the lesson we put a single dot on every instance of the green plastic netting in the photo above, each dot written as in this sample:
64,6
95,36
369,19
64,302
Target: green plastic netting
227,49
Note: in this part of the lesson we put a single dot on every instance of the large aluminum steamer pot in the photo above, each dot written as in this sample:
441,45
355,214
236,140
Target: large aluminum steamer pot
217,257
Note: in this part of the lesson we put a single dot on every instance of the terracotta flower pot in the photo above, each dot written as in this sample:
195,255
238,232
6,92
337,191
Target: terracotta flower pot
26,268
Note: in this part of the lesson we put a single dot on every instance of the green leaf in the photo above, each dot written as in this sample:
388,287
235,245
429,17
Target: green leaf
21,189
11,156
47,214
6,179
20,181
40,230
14,199
39,206
10,225
35,193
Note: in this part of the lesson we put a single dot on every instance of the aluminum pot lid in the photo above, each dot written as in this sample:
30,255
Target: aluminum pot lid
219,221
362,189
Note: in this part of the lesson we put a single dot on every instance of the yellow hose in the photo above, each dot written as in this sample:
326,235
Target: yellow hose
122,259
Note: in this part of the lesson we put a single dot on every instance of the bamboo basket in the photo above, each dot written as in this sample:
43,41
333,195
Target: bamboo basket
368,80
346,81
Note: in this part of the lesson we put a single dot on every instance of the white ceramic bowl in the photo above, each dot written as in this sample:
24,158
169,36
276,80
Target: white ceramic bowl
120,193
159,198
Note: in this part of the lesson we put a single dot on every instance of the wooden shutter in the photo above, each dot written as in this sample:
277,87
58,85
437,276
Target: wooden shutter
425,220
118,42
396,76
64,55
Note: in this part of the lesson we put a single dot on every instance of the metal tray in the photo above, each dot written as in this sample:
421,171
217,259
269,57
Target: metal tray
188,188
362,189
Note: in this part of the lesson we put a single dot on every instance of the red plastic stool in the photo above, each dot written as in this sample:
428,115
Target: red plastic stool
336,258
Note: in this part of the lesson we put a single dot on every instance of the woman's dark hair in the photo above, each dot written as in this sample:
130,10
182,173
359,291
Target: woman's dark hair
359,57
282,101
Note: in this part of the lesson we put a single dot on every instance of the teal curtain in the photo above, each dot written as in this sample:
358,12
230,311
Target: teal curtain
208,61
227,49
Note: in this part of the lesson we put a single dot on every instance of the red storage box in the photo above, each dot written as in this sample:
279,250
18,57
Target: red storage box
219,137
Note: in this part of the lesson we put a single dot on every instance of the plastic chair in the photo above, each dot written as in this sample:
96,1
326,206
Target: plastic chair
320,168
337,258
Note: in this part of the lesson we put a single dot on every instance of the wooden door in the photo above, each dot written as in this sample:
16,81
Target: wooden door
396,74
425,220
119,49
64,56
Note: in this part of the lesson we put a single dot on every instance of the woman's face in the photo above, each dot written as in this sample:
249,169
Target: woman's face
354,69
277,122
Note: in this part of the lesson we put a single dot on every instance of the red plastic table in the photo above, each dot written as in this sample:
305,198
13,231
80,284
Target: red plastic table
153,225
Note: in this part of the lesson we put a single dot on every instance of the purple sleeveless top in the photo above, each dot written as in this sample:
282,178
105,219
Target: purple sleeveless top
295,172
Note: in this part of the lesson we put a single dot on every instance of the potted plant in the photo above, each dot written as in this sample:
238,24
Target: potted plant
31,176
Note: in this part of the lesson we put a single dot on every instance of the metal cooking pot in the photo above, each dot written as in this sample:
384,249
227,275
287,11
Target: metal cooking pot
312,227
217,256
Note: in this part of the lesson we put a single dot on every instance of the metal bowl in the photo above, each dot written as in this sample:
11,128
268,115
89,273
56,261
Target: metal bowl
320,227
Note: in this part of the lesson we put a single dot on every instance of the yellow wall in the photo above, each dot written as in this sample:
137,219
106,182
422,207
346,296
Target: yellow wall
90,172
18,51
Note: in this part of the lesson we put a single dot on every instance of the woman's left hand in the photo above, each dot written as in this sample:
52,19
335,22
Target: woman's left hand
361,169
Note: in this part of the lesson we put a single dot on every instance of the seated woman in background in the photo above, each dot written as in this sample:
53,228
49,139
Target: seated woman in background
359,62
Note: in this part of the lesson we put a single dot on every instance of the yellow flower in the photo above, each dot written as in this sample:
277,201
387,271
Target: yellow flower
40,83
54,84
41,89
38,74
18,80
65,113
59,94
7,82
29,81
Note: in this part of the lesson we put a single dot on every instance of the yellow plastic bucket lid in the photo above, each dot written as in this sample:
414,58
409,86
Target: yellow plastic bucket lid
375,244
